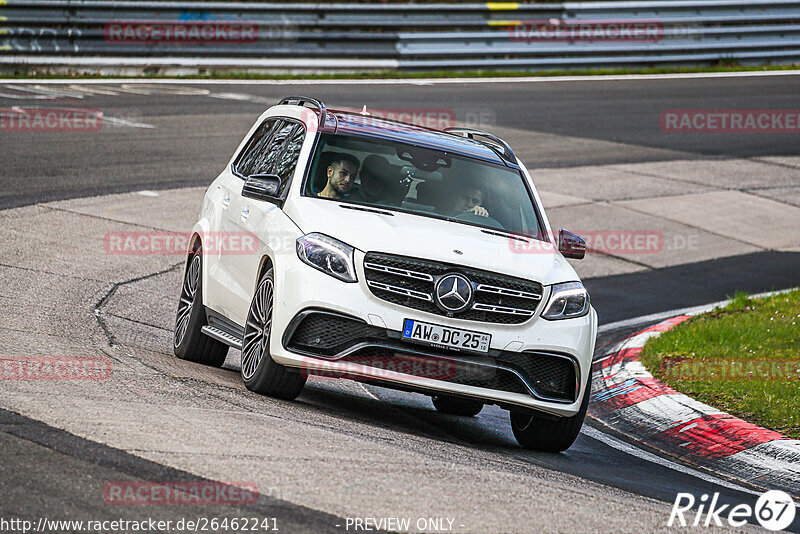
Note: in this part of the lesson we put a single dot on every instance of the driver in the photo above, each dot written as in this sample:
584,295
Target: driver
467,197
341,174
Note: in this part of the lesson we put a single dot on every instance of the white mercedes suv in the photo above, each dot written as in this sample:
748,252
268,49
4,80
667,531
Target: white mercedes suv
392,254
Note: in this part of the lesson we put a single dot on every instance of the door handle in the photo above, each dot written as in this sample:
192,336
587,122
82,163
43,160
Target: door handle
226,201
245,213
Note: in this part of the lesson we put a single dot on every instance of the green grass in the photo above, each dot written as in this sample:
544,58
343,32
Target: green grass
31,72
743,358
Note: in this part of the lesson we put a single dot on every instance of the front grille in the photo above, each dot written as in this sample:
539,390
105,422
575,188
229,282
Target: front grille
410,282
328,334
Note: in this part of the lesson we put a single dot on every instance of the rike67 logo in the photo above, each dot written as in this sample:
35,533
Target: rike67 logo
774,510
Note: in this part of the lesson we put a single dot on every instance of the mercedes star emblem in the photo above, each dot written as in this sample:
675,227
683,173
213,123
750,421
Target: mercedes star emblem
453,293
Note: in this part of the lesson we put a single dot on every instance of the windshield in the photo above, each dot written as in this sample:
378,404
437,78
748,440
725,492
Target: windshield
432,183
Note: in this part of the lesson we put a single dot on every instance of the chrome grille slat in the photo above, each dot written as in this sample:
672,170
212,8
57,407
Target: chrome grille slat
502,309
402,272
507,292
400,291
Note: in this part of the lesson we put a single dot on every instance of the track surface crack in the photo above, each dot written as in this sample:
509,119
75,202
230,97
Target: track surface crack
104,300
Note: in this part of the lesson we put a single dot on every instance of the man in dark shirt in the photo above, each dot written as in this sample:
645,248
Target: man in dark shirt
341,173
463,194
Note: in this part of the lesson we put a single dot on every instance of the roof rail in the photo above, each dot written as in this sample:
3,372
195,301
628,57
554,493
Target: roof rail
302,101
502,148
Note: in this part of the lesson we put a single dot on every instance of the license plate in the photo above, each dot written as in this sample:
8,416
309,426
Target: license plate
444,336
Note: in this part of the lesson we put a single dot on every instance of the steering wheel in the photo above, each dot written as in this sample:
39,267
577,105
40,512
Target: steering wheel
470,217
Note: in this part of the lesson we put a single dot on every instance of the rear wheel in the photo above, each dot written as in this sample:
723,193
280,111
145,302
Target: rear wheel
189,343
455,406
549,435
260,372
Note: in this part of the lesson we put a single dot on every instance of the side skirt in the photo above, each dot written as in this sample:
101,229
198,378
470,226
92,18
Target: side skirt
223,329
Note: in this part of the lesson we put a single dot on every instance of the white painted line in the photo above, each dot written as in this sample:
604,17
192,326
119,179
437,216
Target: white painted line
233,96
147,193
653,458
26,97
779,456
19,110
656,317
45,91
98,114
419,81
125,122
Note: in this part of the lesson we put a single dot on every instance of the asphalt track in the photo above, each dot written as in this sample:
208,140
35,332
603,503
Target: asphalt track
198,132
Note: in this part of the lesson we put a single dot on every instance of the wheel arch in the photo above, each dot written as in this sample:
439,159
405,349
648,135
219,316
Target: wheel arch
195,241
264,265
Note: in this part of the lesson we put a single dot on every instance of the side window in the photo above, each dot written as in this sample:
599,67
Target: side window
272,152
249,159
287,161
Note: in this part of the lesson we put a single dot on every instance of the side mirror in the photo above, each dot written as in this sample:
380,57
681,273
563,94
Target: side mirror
571,245
261,186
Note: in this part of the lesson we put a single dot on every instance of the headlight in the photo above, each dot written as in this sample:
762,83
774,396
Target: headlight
567,301
328,255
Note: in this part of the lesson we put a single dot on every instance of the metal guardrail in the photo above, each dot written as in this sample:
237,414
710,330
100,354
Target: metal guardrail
399,36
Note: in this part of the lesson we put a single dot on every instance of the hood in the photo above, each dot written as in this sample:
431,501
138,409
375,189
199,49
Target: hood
435,239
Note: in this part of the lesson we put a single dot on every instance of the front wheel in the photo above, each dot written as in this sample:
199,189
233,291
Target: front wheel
260,372
549,435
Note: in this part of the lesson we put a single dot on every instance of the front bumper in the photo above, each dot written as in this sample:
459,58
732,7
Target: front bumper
300,288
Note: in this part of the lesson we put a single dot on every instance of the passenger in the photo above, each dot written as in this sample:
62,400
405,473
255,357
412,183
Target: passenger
341,173
380,183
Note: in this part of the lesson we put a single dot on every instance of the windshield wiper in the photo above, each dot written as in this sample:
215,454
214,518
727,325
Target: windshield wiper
362,208
507,235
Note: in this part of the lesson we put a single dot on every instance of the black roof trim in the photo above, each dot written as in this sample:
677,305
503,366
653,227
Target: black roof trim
497,144
302,101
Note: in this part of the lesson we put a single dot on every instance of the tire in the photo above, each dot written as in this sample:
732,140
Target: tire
549,435
260,372
188,342
455,406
